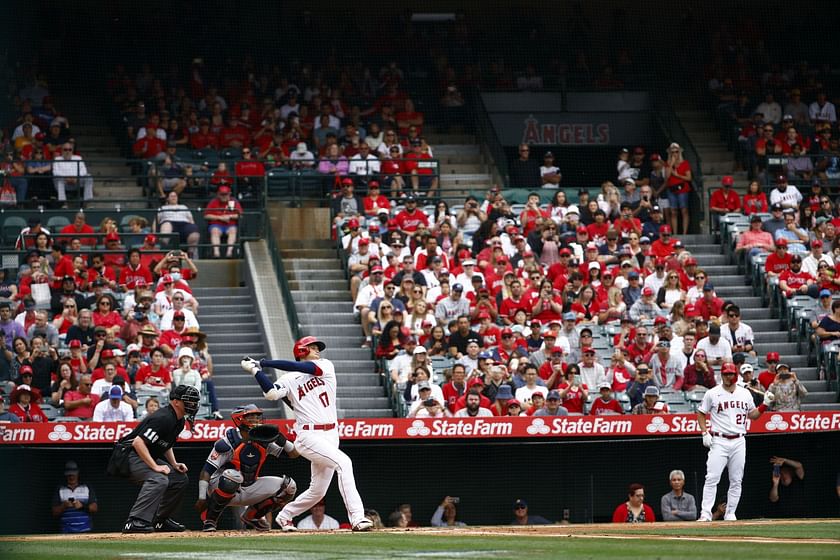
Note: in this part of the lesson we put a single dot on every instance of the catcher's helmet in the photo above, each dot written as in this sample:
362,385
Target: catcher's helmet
247,416
302,346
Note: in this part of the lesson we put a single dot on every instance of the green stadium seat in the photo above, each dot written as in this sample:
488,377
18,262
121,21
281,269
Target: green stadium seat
12,227
56,223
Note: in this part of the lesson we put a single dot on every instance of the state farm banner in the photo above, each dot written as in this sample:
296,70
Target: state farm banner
372,429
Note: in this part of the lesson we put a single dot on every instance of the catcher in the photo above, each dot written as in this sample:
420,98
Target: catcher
231,475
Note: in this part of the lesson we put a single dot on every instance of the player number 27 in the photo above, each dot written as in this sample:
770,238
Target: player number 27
740,419
325,399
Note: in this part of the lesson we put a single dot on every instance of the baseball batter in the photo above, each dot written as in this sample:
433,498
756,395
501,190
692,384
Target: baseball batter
722,416
309,388
231,474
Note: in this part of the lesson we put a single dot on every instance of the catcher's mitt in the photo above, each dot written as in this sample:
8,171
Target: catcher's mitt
264,434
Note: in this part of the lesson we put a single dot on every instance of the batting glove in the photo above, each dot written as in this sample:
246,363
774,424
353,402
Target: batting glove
707,439
768,398
250,365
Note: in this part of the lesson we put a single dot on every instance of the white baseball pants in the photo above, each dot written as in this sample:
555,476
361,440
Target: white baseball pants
730,454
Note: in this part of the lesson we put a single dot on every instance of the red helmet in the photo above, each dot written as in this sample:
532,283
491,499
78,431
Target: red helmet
729,368
302,346
240,416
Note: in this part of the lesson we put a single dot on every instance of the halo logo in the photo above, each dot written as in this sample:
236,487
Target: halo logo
60,433
538,426
657,424
418,428
776,423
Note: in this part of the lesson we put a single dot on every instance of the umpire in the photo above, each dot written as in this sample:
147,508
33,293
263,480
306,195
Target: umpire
152,464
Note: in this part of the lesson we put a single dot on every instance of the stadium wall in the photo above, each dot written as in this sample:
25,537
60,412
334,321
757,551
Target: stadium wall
587,477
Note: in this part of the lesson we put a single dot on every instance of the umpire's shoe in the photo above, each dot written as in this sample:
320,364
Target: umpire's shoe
209,527
169,525
137,526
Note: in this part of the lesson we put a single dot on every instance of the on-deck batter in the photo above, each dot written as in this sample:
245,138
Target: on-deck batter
309,388
728,406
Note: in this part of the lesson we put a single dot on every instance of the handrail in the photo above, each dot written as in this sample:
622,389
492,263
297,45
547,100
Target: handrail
283,282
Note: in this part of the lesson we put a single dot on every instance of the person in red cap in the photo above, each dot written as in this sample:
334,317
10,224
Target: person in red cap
509,343
767,376
348,205
490,335
779,260
724,201
222,215
645,308
664,246
532,214
817,256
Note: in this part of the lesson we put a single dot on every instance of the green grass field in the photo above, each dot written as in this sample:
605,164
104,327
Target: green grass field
737,541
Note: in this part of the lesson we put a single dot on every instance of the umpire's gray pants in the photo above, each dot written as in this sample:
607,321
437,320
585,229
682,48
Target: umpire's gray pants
160,494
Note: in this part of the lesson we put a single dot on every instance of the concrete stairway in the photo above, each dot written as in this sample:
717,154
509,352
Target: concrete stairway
322,298
716,158
228,317
112,176
463,168
730,286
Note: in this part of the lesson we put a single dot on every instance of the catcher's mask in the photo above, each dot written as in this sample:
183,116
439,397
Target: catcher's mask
247,417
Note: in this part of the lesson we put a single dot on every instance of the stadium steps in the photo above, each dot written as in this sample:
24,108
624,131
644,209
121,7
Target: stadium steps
228,317
112,178
321,295
463,167
769,336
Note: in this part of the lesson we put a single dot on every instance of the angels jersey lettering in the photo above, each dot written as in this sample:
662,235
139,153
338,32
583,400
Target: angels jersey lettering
311,396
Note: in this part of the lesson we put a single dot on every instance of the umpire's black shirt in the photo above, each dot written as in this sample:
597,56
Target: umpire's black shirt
158,431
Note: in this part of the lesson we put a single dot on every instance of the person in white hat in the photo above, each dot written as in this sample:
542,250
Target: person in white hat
184,374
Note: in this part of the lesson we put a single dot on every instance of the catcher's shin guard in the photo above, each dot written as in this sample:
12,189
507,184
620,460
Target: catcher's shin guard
229,483
281,498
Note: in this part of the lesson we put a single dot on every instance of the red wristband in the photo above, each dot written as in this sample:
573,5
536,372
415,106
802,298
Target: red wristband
762,408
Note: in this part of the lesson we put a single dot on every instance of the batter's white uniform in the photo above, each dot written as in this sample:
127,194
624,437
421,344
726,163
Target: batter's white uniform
313,399
727,414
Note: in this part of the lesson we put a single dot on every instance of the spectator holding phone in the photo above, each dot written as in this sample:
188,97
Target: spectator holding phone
446,513
74,503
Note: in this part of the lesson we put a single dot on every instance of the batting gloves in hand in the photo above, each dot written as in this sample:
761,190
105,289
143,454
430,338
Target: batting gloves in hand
250,365
768,398
707,439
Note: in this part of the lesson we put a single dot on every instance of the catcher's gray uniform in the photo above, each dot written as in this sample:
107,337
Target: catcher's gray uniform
234,468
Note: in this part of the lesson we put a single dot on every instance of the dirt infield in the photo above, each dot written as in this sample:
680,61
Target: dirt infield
593,531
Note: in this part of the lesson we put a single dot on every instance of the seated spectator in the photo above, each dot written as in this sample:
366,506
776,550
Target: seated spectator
250,175
222,214
634,510
69,171
301,158
348,205
667,367
185,373
24,405
605,404
81,403
177,218
525,393
113,409
317,520
521,516
636,388
573,393
787,390
154,377
678,505
755,239
446,513
44,329
698,372
751,384
472,406
723,201
552,406
651,403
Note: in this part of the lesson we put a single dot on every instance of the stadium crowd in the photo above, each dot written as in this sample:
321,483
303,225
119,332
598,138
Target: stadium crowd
546,309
